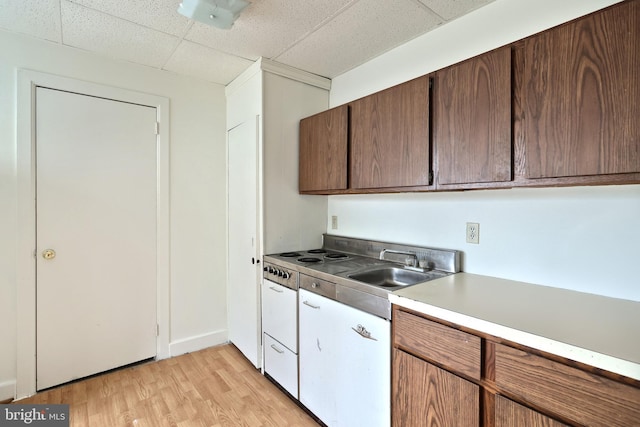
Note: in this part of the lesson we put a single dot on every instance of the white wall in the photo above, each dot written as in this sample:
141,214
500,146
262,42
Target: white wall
581,238
198,188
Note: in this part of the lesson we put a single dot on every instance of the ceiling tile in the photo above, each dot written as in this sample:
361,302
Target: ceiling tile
161,15
360,33
199,61
450,9
267,27
38,18
94,31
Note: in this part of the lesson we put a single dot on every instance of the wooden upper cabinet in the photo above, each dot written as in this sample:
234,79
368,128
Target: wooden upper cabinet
389,144
580,96
472,120
323,151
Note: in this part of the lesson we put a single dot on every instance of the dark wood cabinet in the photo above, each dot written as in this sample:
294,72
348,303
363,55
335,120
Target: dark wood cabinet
442,375
472,120
510,414
425,395
568,392
558,108
323,151
579,96
389,144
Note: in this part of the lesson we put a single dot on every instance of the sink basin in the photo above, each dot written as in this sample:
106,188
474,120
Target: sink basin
391,277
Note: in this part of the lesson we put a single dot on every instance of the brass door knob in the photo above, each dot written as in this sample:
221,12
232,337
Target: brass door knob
48,254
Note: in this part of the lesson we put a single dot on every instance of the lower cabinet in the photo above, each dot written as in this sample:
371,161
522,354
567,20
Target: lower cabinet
510,414
437,385
425,395
344,363
281,364
280,335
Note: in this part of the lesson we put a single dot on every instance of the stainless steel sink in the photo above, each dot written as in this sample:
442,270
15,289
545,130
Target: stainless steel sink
392,277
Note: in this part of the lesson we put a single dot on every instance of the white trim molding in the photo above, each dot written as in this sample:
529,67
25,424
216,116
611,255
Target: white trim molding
199,342
273,67
7,390
27,81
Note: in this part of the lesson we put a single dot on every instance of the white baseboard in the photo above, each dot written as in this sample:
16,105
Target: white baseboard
198,342
7,390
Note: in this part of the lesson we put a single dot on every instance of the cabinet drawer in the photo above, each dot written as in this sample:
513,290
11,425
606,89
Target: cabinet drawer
281,364
280,313
569,392
318,286
449,347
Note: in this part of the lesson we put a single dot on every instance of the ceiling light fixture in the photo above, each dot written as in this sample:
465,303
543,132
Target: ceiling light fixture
219,13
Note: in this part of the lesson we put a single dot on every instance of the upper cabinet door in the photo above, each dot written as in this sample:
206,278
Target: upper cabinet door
580,94
472,120
323,151
390,137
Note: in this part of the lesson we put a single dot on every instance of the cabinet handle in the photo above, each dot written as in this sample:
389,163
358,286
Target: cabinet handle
362,331
273,288
273,346
317,307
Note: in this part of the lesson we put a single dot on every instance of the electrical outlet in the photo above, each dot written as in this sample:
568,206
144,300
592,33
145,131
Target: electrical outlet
473,232
334,222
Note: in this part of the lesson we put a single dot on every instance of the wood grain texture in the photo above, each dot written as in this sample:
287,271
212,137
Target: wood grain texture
511,414
472,120
581,92
212,387
424,395
441,344
323,151
389,144
570,393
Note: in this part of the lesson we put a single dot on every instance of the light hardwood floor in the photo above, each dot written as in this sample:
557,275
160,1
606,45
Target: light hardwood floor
212,387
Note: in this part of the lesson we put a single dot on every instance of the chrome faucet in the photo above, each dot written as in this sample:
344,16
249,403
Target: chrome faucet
393,251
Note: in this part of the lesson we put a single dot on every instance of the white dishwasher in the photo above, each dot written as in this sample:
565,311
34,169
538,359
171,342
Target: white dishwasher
345,362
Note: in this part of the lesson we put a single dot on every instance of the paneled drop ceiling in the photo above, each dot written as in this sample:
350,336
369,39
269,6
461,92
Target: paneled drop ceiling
324,37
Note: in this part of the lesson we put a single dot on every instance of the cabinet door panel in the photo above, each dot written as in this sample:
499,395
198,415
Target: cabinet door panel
511,414
472,120
390,137
318,355
363,390
323,151
424,395
580,96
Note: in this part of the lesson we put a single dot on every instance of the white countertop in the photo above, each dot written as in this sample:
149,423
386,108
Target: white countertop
599,331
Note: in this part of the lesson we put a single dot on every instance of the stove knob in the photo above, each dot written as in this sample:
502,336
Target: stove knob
265,269
285,275
280,273
271,270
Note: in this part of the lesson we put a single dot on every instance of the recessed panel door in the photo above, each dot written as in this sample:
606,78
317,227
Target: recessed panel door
96,235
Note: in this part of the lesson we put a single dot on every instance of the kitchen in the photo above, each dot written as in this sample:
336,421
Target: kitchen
551,236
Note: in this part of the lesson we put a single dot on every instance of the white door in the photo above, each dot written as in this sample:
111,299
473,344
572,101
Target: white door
96,208
244,285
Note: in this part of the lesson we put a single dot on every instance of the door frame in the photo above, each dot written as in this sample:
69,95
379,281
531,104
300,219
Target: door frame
27,81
